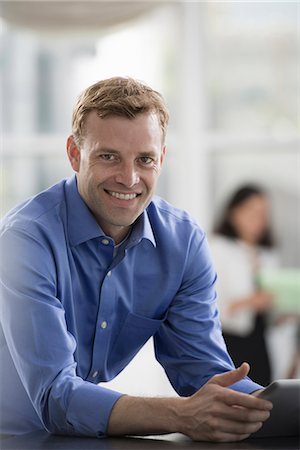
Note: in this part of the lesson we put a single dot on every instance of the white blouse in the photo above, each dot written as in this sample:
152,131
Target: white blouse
233,261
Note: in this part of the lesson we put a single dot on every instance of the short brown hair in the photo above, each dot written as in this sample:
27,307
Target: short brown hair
118,96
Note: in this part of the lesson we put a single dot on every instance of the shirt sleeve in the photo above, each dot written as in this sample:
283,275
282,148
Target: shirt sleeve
190,345
40,344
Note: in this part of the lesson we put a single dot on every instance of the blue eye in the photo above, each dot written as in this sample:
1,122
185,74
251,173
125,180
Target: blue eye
107,157
146,159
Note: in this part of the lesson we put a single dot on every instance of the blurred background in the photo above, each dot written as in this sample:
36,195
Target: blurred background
229,72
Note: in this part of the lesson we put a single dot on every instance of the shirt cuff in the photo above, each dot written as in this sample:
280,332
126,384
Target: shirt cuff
246,386
90,408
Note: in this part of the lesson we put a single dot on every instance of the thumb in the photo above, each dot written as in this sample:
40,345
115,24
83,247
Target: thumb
227,378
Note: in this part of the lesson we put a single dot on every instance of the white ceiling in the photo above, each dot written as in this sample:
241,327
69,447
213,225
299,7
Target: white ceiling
72,15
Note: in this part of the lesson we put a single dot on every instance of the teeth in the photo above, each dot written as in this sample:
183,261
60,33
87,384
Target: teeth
123,196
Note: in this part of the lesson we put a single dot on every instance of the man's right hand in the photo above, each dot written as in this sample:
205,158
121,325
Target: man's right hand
216,413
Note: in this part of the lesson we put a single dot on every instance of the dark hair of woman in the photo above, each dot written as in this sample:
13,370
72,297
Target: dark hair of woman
226,228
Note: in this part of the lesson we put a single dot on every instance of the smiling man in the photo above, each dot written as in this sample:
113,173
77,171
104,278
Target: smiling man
117,168
92,268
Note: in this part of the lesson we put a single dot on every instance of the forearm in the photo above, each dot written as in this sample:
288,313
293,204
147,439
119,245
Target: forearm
145,416
214,413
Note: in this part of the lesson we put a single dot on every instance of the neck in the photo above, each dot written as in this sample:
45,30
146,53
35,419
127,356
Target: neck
118,234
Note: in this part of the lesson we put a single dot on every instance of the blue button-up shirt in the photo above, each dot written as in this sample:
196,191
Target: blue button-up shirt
74,312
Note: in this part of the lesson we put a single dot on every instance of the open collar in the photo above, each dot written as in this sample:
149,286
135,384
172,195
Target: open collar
82,225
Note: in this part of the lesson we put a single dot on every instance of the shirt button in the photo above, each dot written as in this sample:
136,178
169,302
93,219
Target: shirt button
103,324
105,241
95,374
109,273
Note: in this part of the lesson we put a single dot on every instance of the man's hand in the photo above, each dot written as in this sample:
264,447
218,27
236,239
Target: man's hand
216,413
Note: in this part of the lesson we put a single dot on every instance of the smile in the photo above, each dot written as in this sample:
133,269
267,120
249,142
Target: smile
121,196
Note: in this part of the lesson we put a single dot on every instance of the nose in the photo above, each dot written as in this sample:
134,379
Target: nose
128,175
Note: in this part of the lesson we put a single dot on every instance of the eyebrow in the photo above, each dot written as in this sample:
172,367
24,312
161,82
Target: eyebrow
117,152
150,153
104,150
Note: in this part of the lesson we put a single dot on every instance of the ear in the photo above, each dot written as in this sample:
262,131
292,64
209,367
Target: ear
162,155
73,153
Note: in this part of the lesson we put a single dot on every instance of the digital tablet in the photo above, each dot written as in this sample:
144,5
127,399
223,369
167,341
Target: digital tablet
285,415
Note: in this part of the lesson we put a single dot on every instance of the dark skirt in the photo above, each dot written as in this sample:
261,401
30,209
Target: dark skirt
251,348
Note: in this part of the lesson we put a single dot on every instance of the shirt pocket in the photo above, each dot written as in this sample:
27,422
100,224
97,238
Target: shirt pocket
134,333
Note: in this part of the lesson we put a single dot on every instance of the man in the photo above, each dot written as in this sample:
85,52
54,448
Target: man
92,268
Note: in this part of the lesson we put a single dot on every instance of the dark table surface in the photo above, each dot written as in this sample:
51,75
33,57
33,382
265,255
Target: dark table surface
41,440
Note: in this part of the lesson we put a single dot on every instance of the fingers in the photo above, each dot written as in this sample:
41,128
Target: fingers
239,414
233,398
233,376
237,428
220,414
219,429
225,427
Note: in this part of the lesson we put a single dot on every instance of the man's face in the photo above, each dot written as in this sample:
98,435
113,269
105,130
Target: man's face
117,168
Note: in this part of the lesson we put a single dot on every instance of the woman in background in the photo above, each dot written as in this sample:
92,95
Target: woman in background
243,245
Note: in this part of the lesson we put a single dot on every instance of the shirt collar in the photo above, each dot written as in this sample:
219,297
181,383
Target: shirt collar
82,225
142,230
